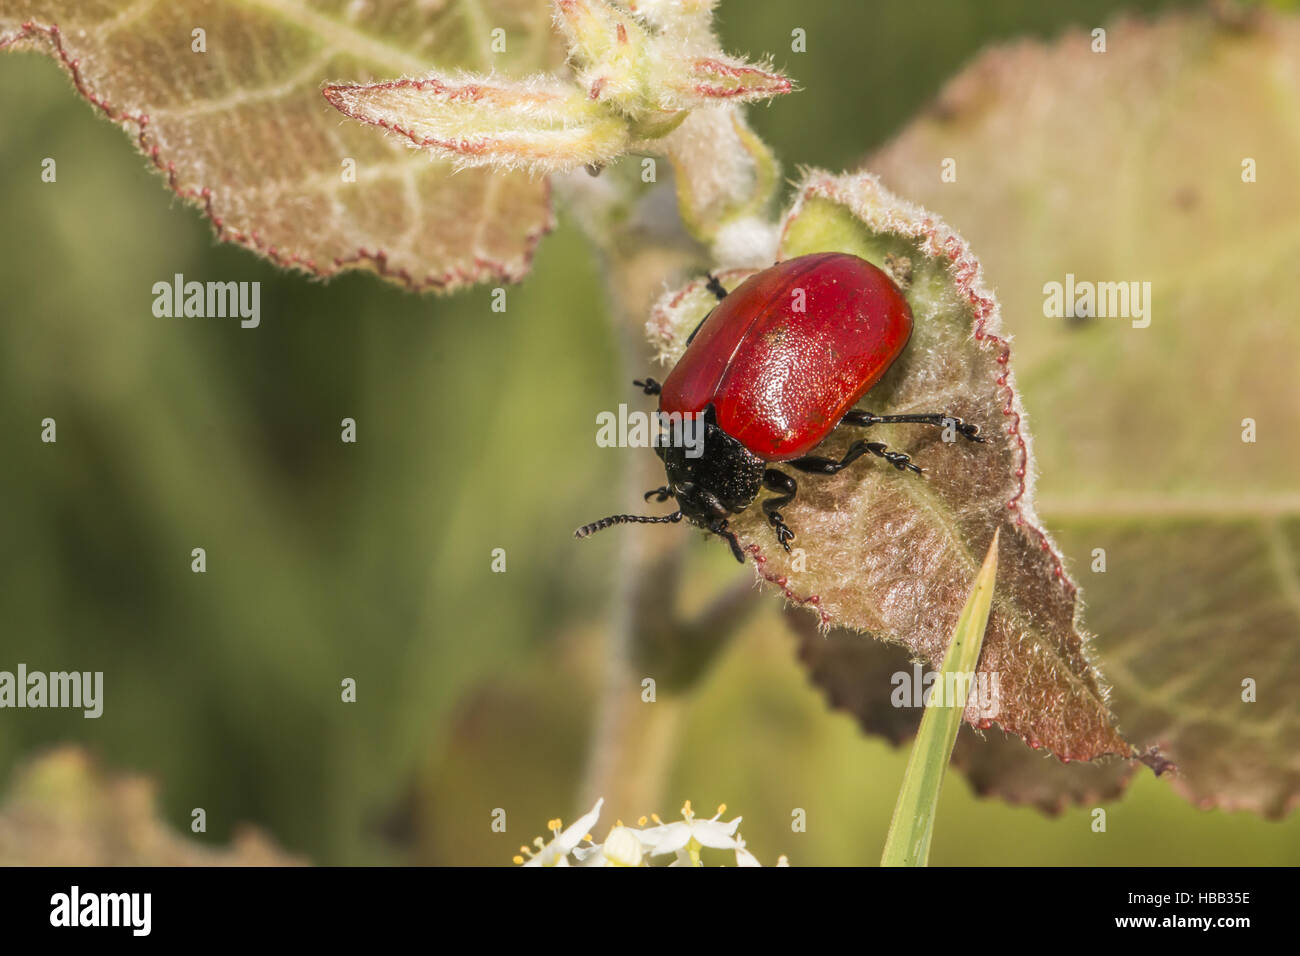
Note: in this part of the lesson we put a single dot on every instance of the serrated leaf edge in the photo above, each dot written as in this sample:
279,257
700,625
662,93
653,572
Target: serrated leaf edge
50,37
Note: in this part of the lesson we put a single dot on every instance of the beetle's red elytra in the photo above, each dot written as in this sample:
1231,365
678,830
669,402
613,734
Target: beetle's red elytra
776,367
793,348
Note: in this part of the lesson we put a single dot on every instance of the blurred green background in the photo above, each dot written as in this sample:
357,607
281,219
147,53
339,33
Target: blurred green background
326,560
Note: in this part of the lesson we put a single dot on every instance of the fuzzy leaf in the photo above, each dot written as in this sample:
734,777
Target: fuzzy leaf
241,130
675,64
681,16
654,83
611,52
701,80
894,553
857,675
539,124
1140,430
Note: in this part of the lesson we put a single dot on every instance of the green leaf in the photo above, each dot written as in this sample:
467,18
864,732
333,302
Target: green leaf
908,842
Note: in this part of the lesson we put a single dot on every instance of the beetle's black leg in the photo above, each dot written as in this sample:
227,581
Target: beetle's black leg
659,494
938,419
714,285
828,466
649,386
722,531
774,480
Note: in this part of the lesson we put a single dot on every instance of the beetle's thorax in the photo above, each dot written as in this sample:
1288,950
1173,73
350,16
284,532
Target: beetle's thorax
722,481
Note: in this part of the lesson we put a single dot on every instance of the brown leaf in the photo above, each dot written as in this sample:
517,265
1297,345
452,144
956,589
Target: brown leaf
895,554
856,675
242,130
1129,167
63,810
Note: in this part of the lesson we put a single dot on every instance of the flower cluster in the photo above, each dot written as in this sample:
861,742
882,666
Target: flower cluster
640,845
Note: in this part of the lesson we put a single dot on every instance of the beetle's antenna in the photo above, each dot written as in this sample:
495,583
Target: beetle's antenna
603,523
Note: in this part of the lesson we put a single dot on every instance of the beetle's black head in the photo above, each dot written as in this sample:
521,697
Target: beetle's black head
711,480
722,479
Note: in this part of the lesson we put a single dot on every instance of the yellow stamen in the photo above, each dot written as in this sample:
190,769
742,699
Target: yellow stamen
655,818
642,822
722,808
519,860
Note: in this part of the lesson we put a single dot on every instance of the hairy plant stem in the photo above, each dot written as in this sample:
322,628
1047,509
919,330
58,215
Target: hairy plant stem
645,247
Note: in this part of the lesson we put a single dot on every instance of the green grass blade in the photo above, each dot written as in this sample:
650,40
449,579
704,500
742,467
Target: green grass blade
908,843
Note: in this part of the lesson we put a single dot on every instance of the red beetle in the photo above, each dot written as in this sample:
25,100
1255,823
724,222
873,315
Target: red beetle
774,368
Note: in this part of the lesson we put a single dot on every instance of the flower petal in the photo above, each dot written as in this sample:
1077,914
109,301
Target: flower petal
573,835
715,834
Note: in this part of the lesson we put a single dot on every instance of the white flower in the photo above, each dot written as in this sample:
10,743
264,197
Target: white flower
556,853
634,846
743,856
622,847
690,835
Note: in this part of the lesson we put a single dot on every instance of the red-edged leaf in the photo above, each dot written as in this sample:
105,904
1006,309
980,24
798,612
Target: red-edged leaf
240,128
